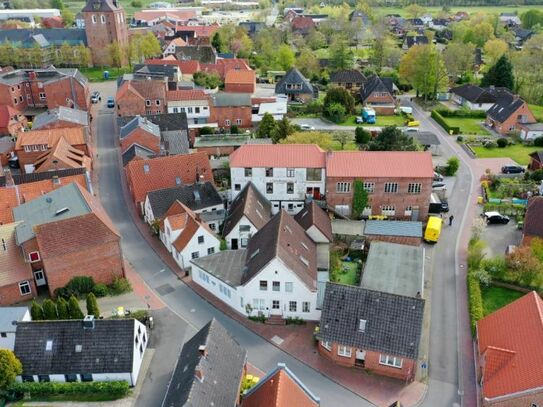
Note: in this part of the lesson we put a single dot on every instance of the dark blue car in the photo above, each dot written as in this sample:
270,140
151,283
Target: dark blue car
110,102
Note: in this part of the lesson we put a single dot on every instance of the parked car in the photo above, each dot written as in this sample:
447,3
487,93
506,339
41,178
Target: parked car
438,177
110,102
495,218
512,169
306,127
438,186
359,120
95,97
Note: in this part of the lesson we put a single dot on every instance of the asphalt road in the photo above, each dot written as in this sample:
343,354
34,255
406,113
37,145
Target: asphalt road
191,309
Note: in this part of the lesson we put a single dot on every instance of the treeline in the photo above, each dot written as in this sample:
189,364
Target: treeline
433,3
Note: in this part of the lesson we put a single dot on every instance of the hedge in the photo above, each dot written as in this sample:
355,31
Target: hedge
474,114
113,390
475,300
441,121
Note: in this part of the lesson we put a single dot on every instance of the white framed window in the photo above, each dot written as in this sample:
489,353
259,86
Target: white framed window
263,285
157,102
200,239
414,188
210,250
93,18
344,351
276,304
391,361
290,187
175,110
147,102
195,255
259,304
33,257
269,172
237,187
248,172
276,286
369,187
103,19
327,345
290,172
306,306
238,122
288,287
408,211
391,187
269,188
343,187
24,288
196,110
227,122
189,109
388,210
292,306
36,147
244,242
27,149
42,95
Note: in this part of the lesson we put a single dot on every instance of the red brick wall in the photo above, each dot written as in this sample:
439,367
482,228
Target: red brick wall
10,294
142,138
332,355
221,114
239,87
102,263
14,127
130,105
512,120
100,36
57,92
399,200
10,92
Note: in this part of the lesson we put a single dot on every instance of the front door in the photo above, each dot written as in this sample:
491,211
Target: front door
360,357
39,277
276,307
234,244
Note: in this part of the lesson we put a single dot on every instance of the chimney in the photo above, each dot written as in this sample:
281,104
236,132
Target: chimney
88,322
199,374
202,350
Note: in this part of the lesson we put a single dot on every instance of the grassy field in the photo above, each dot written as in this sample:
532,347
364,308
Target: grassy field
96,74
467,125
517,152
350,276
477,9
382,121
537,111
497,297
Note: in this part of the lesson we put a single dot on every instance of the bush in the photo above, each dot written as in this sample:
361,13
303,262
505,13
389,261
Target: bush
502,142
362,136
74,309
36,311
295,321
459,139
92,306
537,175
475,114
206,130
490,144
63,309
141,315
111,390
475,299
496,267
538,142
100,290
119,286
453,163
49,310
78,286
136,3
234,129
257,318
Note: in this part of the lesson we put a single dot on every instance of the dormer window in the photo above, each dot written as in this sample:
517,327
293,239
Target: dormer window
362,325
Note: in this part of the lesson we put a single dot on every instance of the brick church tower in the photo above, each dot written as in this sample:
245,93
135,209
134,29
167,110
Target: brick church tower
105,23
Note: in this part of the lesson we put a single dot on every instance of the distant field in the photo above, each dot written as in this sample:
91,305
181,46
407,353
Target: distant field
76,6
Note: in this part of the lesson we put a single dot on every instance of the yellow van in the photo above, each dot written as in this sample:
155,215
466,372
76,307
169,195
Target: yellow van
433,229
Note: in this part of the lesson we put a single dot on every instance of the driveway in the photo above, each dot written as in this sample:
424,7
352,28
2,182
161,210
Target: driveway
319,124
498,237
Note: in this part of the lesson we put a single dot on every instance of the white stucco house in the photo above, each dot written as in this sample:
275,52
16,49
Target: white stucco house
193,102
275,276
81,350
170,48
9,318
286,174
186,236
248,213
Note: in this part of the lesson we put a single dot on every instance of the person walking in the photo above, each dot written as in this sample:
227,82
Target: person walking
451,218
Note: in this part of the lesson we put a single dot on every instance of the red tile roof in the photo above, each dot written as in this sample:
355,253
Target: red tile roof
162,172
62,156
179,216
397,164
240,76
224,65
152,89
13,267
510,342
150,15
302,22
188,94
73,135
278,156
199,30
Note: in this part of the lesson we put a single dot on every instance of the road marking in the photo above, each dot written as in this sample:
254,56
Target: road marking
277,340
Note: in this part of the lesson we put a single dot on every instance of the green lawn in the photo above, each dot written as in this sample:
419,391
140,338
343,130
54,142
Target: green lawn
349,275
517,152
497,297
96,74
467,125
381,121
537,111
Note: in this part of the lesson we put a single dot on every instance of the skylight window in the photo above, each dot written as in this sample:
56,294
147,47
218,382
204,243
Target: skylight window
304,260
49,345
253,255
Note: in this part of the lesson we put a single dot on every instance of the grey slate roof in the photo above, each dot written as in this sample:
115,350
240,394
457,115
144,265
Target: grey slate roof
175,142
28,37
415,40
347,76
10,314
223,99
312,214
376,84
139,122
160,71
393,322
108,348
61,113
504,107
166,121
249,203
221,369
395,269
204,54
45,75
39,176
44,210
226,265
293,76
195,197
135,150
393,228
474,93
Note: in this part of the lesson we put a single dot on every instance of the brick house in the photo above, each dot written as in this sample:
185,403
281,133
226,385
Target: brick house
142,132
533,224
399,183
59,118
48,87
508,114
105,24
144,176
350,79
229,109
32,144
374,330
536,160
11,121
141,97
240,81
509,354
66,233
378,93
16,279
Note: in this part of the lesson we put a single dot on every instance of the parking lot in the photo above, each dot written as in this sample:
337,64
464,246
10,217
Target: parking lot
498,237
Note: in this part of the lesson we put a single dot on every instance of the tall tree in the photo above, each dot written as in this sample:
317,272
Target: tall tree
392,139
68,18
341,55
62,309
266,127
217,42
10,368
282,130
337,94
459,58
494,49
501,74
528,70
74,309
92,305
36,311
362,136
83,55
49,310
285,57
307,63
342,137
115,54
531,18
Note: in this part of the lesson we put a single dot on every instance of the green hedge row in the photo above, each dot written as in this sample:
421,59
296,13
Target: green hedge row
115,390
475,300
474,114
441,121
